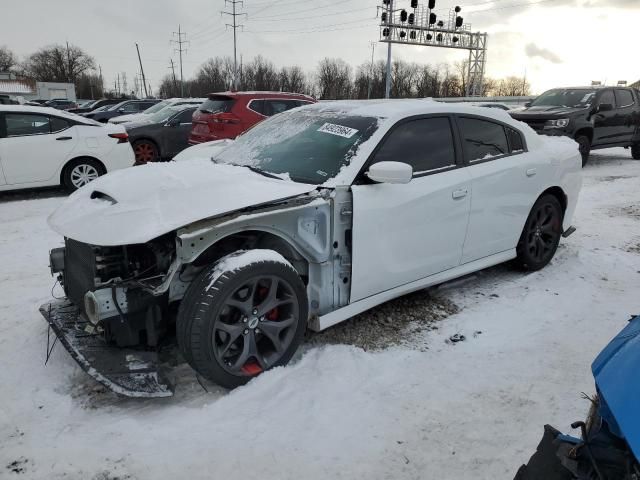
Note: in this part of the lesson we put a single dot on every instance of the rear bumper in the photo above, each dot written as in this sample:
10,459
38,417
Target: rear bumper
125,371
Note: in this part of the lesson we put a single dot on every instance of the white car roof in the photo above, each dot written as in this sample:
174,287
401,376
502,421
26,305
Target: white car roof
47,111
398,109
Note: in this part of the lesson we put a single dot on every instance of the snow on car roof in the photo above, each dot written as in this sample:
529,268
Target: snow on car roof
401,108
48,111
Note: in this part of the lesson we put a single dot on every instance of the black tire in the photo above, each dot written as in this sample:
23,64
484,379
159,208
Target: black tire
223,335
635,151
584,145
81,171
541,234
145,151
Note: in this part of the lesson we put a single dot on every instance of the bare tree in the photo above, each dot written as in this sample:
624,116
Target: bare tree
511,87
58,63
334,79
8,60
292,79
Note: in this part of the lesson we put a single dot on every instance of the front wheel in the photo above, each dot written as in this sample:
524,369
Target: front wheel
541,234
145,152
584,146
245,314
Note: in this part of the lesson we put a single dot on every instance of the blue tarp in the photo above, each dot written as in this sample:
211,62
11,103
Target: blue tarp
617,374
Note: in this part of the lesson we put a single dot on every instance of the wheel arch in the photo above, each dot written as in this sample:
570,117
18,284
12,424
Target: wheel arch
559,193
71,161
146,138
258,238
586,131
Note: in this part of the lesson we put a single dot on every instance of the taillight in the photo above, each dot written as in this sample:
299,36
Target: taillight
122,137
228,118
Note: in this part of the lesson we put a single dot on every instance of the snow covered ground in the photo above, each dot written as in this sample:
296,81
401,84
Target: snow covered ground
469,410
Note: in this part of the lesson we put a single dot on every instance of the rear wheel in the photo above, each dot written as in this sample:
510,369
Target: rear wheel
80,172
236,322
145,151
541,234
584,145
635,151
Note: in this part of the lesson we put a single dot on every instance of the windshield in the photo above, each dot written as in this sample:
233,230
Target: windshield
305,146
111,108
166,113
157,107
574,98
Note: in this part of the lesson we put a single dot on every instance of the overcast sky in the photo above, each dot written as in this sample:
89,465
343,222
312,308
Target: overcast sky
557,42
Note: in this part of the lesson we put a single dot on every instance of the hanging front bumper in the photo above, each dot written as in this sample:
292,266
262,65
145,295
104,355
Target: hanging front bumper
125,371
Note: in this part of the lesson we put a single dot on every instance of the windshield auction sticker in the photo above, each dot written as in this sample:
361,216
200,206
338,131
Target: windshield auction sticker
338,130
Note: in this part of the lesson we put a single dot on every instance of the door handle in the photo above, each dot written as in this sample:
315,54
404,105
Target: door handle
64,138
459,194
531,172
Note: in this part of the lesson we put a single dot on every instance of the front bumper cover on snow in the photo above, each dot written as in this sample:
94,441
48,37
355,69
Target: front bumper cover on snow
128,372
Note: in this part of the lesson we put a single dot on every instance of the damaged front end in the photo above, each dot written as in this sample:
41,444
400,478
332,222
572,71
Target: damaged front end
609,447
112,304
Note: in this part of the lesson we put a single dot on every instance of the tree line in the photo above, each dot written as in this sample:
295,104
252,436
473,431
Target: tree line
332,79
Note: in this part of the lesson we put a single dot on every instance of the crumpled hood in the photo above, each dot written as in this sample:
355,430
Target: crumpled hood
138,204
617,374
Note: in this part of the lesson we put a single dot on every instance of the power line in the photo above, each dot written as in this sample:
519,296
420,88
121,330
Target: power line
340,2
287,19
180,41
368,25
234,15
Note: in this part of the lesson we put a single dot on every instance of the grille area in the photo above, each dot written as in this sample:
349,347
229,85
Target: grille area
87,264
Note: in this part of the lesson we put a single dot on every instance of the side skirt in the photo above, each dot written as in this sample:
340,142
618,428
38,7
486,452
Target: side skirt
337,316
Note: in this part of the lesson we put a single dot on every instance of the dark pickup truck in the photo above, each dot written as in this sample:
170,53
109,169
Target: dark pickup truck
596,117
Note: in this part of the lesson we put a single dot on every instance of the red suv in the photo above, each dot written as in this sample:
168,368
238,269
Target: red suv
228,114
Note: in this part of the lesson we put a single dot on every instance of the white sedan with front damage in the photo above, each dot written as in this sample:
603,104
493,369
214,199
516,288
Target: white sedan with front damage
42,147
309,218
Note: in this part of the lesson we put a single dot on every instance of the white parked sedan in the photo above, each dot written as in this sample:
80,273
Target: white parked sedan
312,216
41,147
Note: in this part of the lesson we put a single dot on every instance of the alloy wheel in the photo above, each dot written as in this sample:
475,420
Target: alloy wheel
144,152
255,325
82,174
543,233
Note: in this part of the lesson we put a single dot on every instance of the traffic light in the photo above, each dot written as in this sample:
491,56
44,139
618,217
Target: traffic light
432,18
412,19
414,3
459,21
403,16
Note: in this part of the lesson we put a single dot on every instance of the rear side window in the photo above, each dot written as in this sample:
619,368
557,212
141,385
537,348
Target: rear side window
19,124
59,124
482,139
185,115
426,144
217,105
516,144
273,107
624,98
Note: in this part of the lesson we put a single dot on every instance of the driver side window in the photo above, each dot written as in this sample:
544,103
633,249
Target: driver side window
607,97
426,144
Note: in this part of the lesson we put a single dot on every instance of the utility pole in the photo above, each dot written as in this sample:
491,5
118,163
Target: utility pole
101,81
144,82
387,89
173,71
235,27
373,51
125,86
180,41
68,64
118,84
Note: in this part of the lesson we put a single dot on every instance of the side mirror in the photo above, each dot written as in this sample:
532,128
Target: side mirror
527,105
390,172
605,107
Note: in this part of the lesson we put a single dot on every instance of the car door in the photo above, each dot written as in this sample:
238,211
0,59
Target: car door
626,121
402,233
604,121
175,134
35,147
505,182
